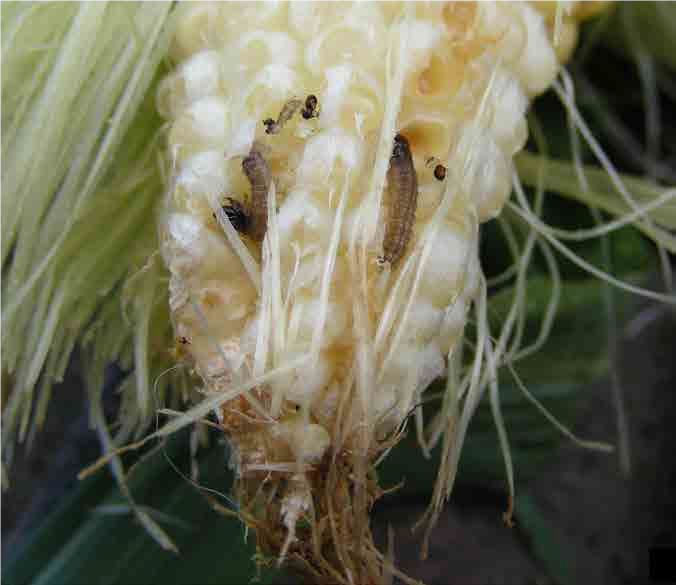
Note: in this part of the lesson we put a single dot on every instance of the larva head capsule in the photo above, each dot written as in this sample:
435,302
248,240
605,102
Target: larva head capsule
401,149
311,107
237,215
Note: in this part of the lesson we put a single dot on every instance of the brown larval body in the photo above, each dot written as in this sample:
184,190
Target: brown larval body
258,172
403,199
289,109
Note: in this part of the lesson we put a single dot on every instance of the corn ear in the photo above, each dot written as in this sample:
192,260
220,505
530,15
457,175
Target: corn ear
309,348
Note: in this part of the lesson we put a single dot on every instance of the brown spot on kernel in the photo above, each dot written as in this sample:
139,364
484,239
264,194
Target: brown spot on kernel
440,172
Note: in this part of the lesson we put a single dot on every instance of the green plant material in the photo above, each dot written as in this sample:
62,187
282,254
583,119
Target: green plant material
560,178
574,355
80,186
544,541
649,27
90,540
532,439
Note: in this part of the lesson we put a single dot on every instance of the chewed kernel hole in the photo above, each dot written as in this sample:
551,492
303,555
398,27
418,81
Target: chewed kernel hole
426,137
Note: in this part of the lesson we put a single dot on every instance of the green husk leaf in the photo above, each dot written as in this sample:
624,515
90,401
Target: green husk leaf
560,178
82,543
545,543
645,26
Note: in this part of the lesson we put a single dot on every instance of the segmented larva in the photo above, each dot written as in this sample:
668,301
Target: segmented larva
289,109
403,199
310,109
257,171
